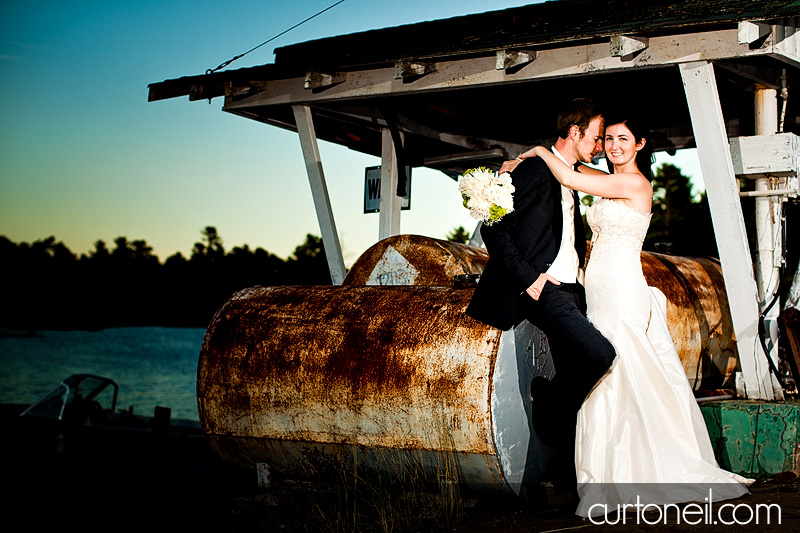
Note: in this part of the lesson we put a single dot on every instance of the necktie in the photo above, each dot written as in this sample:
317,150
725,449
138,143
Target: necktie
580,233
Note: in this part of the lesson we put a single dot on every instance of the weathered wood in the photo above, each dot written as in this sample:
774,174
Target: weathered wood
514,59
787,40
627,45
319,193
318,80
764,75
467,156
534,27
762,155
750,32
389,223
715,162
538,26
410,70
475,145
478,71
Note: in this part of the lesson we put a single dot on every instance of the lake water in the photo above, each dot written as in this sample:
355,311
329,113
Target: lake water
153,366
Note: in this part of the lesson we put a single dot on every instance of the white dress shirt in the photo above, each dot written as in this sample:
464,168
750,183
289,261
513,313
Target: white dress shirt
566,265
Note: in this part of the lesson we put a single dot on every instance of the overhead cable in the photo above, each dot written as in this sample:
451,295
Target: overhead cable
228,62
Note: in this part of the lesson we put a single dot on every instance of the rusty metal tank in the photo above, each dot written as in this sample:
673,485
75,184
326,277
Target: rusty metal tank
386,371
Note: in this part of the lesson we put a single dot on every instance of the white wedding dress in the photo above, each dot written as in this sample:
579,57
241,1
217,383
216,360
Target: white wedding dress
640,434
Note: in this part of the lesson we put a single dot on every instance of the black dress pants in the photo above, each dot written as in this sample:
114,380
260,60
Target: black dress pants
581,356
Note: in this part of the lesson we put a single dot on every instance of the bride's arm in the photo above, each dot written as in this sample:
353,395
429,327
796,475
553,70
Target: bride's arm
509,166
596,184
586,169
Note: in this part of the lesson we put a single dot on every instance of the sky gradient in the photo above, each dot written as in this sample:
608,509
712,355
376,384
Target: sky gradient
84,156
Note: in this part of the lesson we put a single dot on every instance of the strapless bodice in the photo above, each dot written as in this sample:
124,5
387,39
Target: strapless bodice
616,227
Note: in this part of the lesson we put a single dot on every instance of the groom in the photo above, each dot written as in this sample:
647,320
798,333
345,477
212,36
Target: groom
536,253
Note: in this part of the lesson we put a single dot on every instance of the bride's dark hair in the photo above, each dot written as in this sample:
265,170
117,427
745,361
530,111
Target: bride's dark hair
644,157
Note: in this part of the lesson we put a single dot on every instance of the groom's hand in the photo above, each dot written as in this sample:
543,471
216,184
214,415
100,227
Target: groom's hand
535,290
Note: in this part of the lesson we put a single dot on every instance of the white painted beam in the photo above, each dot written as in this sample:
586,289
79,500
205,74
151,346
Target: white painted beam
390,202
558,62
319,193
786,40
726,211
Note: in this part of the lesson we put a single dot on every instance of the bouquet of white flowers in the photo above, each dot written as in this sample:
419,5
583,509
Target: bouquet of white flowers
487,196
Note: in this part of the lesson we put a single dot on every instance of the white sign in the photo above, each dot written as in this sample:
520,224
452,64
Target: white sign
393,269
372,190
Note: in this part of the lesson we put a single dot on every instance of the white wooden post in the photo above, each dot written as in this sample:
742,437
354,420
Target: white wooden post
319,192
702,97
768,225
390,203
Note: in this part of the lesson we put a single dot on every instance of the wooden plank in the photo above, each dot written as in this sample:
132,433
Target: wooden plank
408,125
627,45
759,155
513,59
476,71
750,32
726,212
787,38
389,223
319,193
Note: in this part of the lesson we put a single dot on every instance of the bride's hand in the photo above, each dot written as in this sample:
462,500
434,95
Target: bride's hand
509,166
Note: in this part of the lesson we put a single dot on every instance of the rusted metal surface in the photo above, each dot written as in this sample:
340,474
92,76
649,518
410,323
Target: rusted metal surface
415,260
297,461
289,376
343,364
389,377
697,311
698,317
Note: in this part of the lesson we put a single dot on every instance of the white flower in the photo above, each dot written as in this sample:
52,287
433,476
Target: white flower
487,196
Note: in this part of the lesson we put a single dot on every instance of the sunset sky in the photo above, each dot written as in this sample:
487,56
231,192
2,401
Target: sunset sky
84,156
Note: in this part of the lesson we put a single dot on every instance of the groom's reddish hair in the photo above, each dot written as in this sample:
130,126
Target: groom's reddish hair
581,111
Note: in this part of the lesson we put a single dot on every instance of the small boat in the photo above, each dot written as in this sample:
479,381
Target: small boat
72,456
78,418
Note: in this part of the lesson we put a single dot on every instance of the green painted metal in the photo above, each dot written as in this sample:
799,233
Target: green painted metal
754,438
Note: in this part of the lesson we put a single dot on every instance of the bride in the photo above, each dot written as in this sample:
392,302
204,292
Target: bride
640,434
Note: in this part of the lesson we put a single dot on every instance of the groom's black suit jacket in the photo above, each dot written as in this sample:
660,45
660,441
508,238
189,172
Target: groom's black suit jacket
522,245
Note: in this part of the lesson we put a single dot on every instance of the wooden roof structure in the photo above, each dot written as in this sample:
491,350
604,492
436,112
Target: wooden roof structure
479,89
464,86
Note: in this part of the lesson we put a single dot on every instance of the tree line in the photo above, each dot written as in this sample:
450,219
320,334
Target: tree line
47,286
